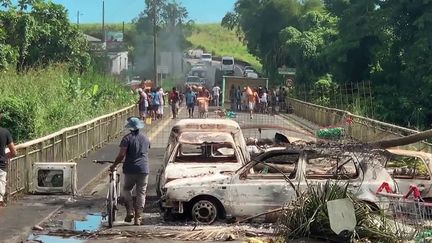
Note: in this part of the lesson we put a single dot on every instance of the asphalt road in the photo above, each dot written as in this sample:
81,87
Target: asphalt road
84,213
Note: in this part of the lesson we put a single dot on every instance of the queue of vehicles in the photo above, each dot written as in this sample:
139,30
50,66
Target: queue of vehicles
208,172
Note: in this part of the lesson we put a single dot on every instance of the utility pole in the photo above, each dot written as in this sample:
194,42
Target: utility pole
103,21
123,28
78,15
155,72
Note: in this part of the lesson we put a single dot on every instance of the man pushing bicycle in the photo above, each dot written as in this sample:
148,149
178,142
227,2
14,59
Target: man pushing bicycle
134,148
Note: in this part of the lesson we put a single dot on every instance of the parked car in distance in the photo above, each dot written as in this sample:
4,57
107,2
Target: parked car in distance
248,68
199,71
194,80
202,147
228,65
207,58
251,74
259,185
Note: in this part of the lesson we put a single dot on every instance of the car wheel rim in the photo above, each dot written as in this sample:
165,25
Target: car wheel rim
204,212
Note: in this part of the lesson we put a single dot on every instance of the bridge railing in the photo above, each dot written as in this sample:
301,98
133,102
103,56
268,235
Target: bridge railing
361,128
65,145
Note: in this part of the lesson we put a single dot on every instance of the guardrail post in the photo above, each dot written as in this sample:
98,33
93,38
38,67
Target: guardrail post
100,133
28,167
87,140
41,149
78,144
63,146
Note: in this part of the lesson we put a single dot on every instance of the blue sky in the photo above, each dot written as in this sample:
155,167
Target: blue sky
116,11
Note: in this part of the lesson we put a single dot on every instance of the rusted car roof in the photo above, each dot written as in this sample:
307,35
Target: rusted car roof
205,137
195,125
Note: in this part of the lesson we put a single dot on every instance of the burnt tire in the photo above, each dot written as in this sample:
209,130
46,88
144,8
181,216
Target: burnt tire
204,211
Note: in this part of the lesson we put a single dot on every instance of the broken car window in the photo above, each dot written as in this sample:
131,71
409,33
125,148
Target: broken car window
206,153
407,167
331,167
275,163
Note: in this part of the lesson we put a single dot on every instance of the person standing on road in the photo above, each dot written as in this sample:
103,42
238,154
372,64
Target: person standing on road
252,98
142,103
190,101
238,96
156,103
264,101
232,97
162,95
134,148
216,93
5,142
174,100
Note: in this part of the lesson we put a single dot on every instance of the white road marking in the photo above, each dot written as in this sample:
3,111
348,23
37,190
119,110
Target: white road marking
161,127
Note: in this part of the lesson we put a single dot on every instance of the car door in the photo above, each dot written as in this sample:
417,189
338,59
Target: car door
409,170
161,170
317,169
261,186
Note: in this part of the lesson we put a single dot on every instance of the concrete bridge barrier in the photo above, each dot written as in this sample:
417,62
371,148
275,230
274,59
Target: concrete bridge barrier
358,127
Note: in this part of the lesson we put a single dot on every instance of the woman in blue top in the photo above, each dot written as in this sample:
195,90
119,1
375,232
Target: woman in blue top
190,101
156,102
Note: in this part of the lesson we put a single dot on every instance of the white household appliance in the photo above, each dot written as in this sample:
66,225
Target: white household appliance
54,178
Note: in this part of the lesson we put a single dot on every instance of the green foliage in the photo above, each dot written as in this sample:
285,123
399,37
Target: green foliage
40,102
307,216
37,33
324,89
222,42
262,21
387,42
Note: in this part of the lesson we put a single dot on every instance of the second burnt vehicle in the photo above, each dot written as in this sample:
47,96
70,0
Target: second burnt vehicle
259,185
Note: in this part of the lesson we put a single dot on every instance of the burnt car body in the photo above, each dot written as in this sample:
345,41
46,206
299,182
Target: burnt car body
199,147
271,180
411,168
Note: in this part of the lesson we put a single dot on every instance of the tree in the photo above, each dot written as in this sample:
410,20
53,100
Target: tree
41,36
261,23
172,27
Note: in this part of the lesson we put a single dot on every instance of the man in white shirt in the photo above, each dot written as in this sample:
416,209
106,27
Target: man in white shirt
216,92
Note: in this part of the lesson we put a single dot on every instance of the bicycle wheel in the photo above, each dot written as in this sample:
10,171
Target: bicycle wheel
110,206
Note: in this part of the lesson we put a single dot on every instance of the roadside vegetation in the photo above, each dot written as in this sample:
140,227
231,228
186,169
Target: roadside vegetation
42,101
47,80
221,42
385,42
308,216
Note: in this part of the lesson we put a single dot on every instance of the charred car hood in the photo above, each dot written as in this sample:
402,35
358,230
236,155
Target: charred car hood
186,170
217,178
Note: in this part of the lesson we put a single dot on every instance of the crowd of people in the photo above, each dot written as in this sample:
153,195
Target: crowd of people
257,100
151,101
253,100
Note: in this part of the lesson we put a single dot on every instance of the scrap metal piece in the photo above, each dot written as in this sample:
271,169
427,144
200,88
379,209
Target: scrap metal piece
341,215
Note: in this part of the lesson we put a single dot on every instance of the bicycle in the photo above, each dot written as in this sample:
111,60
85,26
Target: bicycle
113,194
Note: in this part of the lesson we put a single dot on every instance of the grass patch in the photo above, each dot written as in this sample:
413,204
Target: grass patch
222,42
40,102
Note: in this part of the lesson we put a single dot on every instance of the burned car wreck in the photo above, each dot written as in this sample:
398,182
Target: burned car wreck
273,179
198,147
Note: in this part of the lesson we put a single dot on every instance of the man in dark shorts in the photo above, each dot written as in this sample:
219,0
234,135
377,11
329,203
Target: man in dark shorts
5,142
174,101
190,101
135,147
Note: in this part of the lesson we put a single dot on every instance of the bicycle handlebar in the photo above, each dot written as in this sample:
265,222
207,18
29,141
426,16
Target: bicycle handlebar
103,161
